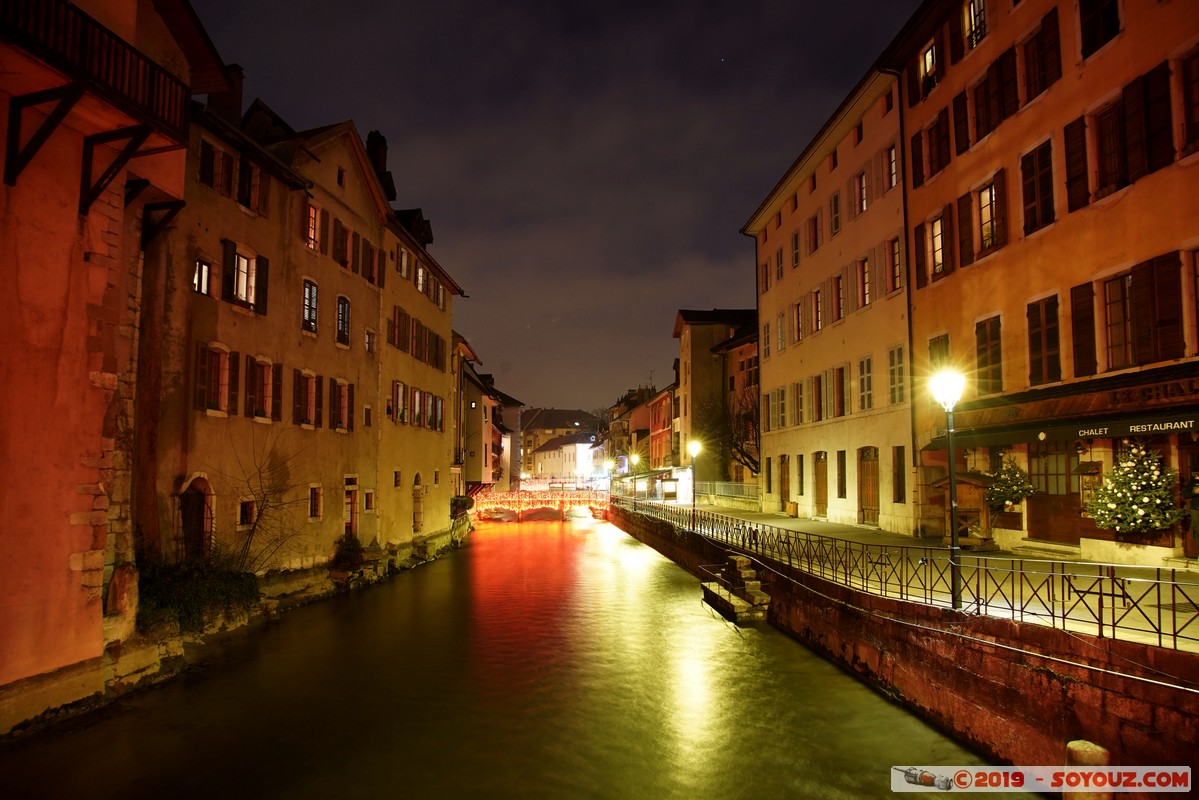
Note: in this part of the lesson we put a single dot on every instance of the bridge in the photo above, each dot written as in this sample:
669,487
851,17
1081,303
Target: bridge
553,504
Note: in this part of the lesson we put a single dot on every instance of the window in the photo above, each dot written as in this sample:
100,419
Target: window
341,177
766,340
1036,174
814,233
397,478
894,265
1042,57
865,282
1053,467
243,279
1074,139
780,334
313,237
896,388
216,168
974,23
249,183
899,489
778,264
439,294
834,210
818,309
264,389
201,277
812,183
865,383
782,406
422,279
1044,357
859,189
842,478
397,406
1144,313
992,216
797,401
938,143
247,513
308,320
892,167
315,502
216,379
795,249
818,398
832,160
937,242
764,277
857,134
797,321
343,320
306,398
372,343
403,263
838,386
928,69
368,499
838,298
989,355
986,106
341,405
1134,135
1099,21
799,475
888,104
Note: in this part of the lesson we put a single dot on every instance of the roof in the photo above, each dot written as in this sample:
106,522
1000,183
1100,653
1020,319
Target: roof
587,437
551,418
743,335
206,68
717,316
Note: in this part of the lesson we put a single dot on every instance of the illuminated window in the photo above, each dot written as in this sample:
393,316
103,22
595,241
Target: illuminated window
928,69
937,251
974,23
343,320
859,188
986,217
892,168
865,282
244,274
795,249
834,208
308,321
201,277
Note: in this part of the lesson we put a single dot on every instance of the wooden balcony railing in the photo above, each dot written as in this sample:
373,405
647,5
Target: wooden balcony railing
72,42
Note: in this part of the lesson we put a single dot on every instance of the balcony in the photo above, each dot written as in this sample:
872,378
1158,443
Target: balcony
81,48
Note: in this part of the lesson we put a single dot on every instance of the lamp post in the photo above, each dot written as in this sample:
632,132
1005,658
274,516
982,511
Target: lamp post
946,387
636,459
693,447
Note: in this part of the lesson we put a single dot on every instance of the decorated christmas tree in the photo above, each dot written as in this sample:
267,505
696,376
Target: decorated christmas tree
1136,495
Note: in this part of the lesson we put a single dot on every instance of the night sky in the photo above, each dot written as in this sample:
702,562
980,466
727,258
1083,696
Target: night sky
586,167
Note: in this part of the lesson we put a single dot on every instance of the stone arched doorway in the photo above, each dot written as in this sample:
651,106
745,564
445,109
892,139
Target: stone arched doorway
195,508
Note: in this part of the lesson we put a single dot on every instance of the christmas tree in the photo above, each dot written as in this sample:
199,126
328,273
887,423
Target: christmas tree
1136,496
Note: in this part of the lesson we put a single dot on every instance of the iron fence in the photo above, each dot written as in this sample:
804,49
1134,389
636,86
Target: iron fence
728,489
1151,605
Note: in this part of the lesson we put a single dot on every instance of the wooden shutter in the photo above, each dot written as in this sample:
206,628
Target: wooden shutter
1036,345
201,390
965,230
298,400
324,232
349,410
252,382
355,252
264,193
1009,96
1167,286
1028,180
913,81
948,237
956,36
1134,129
878,263
234,366
921,251
942,140
381,270
262,282
1051,48
334,405
1159,124
319,411
207,164
305,210
961,124
1051,340
228,268
1144,328
1077,193
276,408
339,243
1082,327
917,159
1000,211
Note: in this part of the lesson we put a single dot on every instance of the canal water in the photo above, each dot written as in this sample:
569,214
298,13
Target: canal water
544,659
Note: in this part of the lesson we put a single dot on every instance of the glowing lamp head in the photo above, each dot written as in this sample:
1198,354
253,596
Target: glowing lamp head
636,459
947,387
693,447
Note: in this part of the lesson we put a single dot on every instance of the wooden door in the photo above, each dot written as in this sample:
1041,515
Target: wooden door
868,486
820,488
784,481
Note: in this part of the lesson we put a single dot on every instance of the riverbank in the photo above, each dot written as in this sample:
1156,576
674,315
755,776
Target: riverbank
1015,692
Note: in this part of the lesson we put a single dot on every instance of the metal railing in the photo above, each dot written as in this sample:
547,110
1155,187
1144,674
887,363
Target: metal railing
1151,605
73,42
728,489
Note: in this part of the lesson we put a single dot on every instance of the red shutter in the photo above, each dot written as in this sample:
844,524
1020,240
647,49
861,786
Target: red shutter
1082,326
1159,125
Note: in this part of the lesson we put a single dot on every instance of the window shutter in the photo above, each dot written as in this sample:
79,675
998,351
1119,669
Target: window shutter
381,269
277,392
1008,92
994,96
846,394
965,230
234,365
262,282
1036,346
1167,286
339,242
226,175
942,140
961,124
1077,193
324,232
207,164
913,81
298,400
921,256
917,159
849,279
942,49
1028,179
1144,327
228,267
1134,129
878,266
318,412
355,251
947,233
1000,208
957,38
201,396
305,210
1082,327
252,382
1051,48
264,193
1052,341
349,411
1159,124
334,405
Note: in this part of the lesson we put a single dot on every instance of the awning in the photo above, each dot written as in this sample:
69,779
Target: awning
1117,426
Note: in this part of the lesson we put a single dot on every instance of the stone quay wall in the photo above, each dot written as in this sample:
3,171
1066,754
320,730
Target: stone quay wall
1014,692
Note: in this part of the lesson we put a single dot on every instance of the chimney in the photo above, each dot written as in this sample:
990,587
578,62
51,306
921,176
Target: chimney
376,152
227,105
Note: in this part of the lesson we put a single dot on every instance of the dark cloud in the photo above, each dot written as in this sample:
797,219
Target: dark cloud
586,166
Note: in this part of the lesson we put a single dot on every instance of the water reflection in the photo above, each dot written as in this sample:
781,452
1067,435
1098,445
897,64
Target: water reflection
543,660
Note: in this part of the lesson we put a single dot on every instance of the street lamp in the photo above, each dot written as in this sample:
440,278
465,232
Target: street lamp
693,447
946,387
